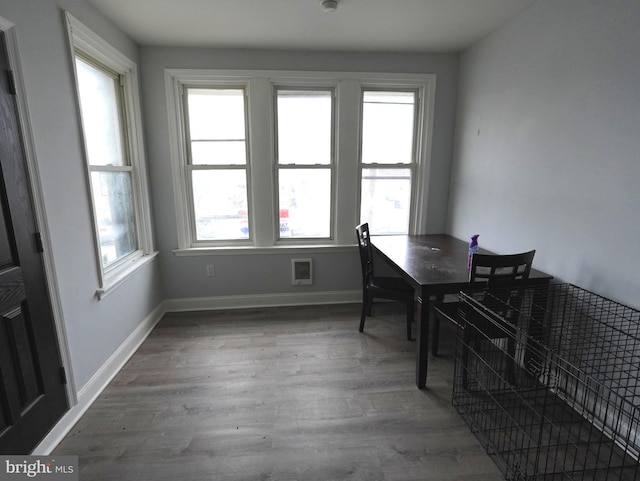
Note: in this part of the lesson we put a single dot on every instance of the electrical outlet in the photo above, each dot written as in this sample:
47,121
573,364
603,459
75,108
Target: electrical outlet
211,270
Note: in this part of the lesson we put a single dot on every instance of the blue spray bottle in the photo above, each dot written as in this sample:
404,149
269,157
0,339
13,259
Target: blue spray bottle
473,248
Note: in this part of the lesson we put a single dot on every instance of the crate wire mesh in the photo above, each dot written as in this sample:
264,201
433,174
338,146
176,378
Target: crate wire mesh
548,378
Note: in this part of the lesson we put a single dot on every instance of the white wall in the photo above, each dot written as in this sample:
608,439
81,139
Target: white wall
547,149
94,329
184,277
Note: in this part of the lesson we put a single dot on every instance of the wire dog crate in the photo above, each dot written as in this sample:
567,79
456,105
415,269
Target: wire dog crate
548,379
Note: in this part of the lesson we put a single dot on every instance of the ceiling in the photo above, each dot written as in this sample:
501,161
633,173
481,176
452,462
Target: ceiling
357,25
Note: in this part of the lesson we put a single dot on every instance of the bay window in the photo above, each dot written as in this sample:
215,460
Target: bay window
294,160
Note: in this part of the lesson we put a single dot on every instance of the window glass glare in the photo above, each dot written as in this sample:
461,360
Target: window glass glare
98,91
305,203
113,200
220,204
304,127
387,127
386,199
217,126
218,153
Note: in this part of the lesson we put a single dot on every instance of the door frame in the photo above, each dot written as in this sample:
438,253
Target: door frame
35,188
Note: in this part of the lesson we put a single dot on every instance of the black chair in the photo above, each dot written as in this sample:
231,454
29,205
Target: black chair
393,288
497,270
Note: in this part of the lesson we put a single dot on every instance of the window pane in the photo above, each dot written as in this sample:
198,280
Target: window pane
387,127
218,153
220,204
304,127
113,199
217,126
101,121
305,202
386,200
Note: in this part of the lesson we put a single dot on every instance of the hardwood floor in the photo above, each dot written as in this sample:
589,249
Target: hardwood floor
292,393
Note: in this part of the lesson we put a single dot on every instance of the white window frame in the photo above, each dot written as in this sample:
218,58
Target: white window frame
189,167
331,167
82,39
415,163
263,194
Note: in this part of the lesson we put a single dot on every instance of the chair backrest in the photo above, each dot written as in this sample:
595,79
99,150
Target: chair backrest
366,252
502,273
501,270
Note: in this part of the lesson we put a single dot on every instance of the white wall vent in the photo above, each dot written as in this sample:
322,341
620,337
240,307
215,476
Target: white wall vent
301,272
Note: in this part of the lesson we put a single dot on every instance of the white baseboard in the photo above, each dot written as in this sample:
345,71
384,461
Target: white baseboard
100,380
262,300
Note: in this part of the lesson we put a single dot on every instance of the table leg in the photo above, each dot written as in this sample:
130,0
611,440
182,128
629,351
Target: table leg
422,340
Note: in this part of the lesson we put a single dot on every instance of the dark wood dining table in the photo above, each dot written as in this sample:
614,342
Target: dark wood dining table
434,265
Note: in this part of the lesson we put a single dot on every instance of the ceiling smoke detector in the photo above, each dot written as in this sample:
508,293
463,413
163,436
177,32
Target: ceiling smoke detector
329,5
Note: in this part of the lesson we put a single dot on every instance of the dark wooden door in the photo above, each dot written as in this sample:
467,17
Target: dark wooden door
32,391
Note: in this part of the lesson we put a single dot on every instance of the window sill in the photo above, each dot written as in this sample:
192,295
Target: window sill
252,250
119,277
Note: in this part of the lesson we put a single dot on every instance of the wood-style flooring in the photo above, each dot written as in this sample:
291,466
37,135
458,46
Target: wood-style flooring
292,393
